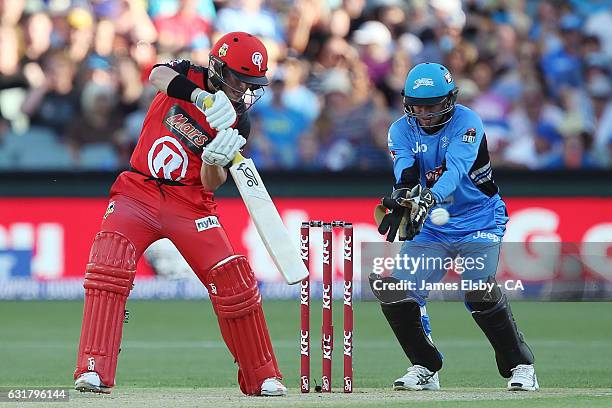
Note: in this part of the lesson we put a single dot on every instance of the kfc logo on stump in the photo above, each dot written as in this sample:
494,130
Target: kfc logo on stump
167,159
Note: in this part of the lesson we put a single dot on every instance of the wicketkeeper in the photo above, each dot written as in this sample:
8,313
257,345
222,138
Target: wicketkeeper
440,155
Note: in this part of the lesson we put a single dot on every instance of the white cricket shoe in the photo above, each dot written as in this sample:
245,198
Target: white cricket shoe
417,378
272,387
90,382
523,378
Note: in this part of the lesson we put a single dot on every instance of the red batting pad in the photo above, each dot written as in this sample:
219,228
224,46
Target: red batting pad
108,281
235,297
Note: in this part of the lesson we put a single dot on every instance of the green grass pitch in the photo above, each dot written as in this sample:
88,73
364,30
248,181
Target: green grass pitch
173,355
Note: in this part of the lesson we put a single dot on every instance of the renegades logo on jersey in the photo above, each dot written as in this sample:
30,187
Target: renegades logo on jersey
186,129
433,175
167,159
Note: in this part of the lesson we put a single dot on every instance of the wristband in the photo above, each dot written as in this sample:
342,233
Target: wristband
181,88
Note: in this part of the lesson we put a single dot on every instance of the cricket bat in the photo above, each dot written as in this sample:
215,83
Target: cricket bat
268,222
263,212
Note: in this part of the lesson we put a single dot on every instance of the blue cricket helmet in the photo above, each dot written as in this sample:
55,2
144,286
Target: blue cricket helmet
429,84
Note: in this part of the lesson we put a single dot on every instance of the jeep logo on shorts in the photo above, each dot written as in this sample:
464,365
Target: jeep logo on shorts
205,223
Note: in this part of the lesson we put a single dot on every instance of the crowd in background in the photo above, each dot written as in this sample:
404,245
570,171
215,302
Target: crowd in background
74,89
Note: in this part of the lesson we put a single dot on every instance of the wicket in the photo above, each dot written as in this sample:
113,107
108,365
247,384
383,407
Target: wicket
327,330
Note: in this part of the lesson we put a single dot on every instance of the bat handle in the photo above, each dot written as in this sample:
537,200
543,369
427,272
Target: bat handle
238,158
208,101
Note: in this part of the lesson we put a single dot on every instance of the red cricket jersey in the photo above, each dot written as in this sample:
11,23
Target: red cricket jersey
174,133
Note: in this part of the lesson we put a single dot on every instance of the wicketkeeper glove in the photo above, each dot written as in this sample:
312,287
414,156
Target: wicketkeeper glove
424,200
393,214
404,211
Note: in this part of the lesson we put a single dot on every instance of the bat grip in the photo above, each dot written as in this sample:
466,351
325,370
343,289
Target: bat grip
208,101
238,158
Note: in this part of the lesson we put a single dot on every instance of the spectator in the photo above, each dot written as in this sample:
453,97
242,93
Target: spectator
547,146
344,124
295,94
373,152
562,66
375,42
54,103
343,63
492,108
600,90
81,34
249,16
281,126
179,30
11,75
99,122
393,83
37,35
309,153
574,155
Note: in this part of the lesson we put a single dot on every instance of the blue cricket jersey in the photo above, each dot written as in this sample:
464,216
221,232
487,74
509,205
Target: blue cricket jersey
454,163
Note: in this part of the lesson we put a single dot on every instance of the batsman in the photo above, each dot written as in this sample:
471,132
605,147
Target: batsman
439,150
181,158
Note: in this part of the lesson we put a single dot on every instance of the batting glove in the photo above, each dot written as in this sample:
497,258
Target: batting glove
220,114
222,149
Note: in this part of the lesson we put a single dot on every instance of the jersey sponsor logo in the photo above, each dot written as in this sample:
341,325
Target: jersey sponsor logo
223,50
167,156
433,175
186,129
419,148
257,59
206,223
486,235
423,82
392,154
109,209
469,136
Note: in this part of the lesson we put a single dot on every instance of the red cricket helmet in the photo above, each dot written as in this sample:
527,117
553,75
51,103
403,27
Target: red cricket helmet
245,55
